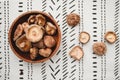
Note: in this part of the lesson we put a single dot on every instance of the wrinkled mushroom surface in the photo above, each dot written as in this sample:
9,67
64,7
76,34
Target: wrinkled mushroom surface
50,28
84,37
34,33
76,53
99,48
23,43
18,32
73,19
45,52
110,37
49,41
40,20
33,53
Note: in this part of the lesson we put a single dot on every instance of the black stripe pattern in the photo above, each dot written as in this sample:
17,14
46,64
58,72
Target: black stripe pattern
117,43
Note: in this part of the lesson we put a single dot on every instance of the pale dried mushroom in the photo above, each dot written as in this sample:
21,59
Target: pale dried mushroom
45,52
33,53
110,37
84,37
76,53
40,20
99,48
49,41
34,33
73,19
32,19
25,26
18,32
39,44
50,28
23,43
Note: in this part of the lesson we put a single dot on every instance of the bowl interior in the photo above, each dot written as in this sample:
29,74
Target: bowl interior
25,55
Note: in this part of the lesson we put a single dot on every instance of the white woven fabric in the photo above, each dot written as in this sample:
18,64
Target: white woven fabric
97,17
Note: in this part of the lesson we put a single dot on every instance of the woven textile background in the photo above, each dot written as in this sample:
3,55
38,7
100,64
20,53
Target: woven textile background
97,17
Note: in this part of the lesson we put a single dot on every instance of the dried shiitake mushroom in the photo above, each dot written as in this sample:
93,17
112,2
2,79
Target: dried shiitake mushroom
73,19
32,19
18,32
110,37
23,43
49,41
77,53
33,52
39,44
50,28
45,52
84,37
34,33
99,48
40,20
25,26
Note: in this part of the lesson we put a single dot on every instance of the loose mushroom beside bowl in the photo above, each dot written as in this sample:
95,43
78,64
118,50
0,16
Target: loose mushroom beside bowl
34,36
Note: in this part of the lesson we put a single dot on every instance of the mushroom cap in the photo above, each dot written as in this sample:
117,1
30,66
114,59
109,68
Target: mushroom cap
49,41
99,48
25,26
18,32
40,20
84,37
32,19
77,53
110,37
34,33
50,28
33,53
73,19
45,52
23,43
39,44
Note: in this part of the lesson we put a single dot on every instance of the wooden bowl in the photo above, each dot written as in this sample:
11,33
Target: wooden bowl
25,55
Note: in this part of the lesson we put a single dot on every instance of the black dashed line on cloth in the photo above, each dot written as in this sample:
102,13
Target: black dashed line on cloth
58,52
5,53
21,70
53,76
104,33
1,66
117,48
53,2
7,40
51,8
20,7
57,72
64,27
43,67
79,10
81,65
94,36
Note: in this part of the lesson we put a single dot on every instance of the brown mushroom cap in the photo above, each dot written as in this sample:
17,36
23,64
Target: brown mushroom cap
73,19
34,33
50,28
32,19
25,26
77,53
18,32
110,37
49,41
39,44
23,43
45,52
99,48
84,37
40,20
33,53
